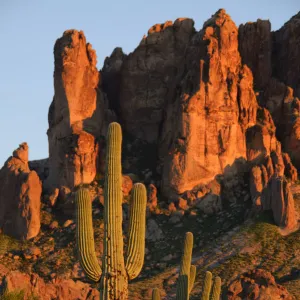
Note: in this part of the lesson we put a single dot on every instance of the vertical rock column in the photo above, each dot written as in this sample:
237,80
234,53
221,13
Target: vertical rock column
75,114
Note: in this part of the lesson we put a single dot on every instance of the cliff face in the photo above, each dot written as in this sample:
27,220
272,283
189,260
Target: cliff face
205,98
220,101
274,60
206,120
76,113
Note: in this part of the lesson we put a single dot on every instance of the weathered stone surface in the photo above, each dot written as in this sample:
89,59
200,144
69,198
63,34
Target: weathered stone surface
255,46
147,77
286,55
282,203
274,60
33,285
41,167
270,190
261,138
111,78
152,197
76,113
209,204
20,196
154,232
258,284
203,132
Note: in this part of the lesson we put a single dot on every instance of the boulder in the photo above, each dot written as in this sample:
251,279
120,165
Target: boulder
33,285
257,284
20,196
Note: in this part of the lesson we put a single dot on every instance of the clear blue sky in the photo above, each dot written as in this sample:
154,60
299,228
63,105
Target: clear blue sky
29,29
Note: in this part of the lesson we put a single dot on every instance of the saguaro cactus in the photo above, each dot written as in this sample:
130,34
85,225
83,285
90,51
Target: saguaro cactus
206,286
115,271
155,294
216,289
187,272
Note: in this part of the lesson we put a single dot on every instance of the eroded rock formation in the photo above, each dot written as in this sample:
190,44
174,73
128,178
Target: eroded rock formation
20,196
193,94
76,113
204,129
274,60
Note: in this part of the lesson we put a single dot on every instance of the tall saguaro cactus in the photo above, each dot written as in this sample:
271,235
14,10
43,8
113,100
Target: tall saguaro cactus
115,271
187,272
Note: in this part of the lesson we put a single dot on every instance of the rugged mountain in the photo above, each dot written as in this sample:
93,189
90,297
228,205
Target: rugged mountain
210,123
190,94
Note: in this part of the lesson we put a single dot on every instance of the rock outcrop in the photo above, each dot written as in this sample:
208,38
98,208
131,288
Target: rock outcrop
76,113
274,60
268,177
20,196
34,286
258,284
191,93
145,78
204,130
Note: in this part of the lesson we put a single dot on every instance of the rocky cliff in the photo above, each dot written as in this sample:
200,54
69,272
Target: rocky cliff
194,96
76,113
207,106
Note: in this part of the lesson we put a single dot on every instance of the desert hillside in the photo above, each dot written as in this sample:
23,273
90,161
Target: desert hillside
209,124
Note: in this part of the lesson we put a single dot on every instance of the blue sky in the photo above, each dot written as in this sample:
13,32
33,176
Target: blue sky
29,29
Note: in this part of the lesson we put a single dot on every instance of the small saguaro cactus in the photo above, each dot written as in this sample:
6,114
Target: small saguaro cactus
206,286
187,271
115,271
206,289
216,289
155,294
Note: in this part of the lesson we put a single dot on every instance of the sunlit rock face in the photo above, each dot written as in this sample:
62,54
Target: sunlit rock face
20,197
76,113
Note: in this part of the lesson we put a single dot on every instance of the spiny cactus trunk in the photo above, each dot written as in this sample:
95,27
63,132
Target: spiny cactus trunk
137,231
114,281
85,236
155,294
183,288
216,291
206,286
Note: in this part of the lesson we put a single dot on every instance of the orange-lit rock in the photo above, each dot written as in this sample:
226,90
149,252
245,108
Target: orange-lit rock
76,113
20,196
204,128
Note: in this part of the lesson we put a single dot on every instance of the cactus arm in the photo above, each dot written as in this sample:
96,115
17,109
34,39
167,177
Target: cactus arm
114,281
192,277
85,236
185,266
206,286
155,294
137,231
216,291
